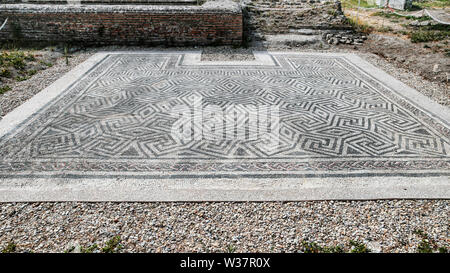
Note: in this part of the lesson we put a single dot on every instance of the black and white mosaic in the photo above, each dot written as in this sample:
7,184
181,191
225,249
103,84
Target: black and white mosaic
116,119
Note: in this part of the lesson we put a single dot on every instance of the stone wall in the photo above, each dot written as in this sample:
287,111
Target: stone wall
214,23
284,16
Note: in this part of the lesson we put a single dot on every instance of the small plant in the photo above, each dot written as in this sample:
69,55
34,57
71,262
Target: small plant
424,247
360,26
385,29
30,57
10,248
22,78
69,250
31,72
16,59
25,75
4,72
112,245
231,248
89,249
422,36
4,89
333,249
442,249
48,64
82,249
394,15
311,247
428,245
358,247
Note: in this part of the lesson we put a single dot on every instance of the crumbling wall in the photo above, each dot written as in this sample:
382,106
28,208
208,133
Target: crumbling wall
214,23
282,16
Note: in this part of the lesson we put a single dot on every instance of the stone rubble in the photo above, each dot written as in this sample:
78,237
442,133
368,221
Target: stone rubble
347,37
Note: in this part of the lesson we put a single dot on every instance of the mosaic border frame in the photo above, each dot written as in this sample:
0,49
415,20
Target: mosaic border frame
427,181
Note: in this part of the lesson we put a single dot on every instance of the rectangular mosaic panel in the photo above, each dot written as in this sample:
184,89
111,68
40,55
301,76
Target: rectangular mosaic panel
334,119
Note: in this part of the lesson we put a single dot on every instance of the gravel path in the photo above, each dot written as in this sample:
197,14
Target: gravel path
386,226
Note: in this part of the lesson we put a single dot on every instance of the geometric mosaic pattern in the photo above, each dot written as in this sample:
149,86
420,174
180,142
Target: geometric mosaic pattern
333,117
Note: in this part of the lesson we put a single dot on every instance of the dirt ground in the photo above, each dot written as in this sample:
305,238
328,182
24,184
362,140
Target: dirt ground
415,43
424,61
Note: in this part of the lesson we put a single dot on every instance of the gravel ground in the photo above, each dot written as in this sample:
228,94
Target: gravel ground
386,226
227,54
22,91
437,91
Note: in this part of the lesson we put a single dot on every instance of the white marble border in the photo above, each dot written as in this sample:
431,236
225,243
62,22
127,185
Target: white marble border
241,190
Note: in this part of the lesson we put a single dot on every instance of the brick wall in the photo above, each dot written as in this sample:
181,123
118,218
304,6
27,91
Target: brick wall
121,24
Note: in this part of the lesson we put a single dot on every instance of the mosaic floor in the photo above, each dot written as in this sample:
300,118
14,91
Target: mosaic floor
337,120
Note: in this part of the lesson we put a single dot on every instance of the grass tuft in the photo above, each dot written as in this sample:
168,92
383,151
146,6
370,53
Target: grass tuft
360,26
231,249
10,248
427,244
358,247
112,246
4,89
312,247
394,15
423,36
